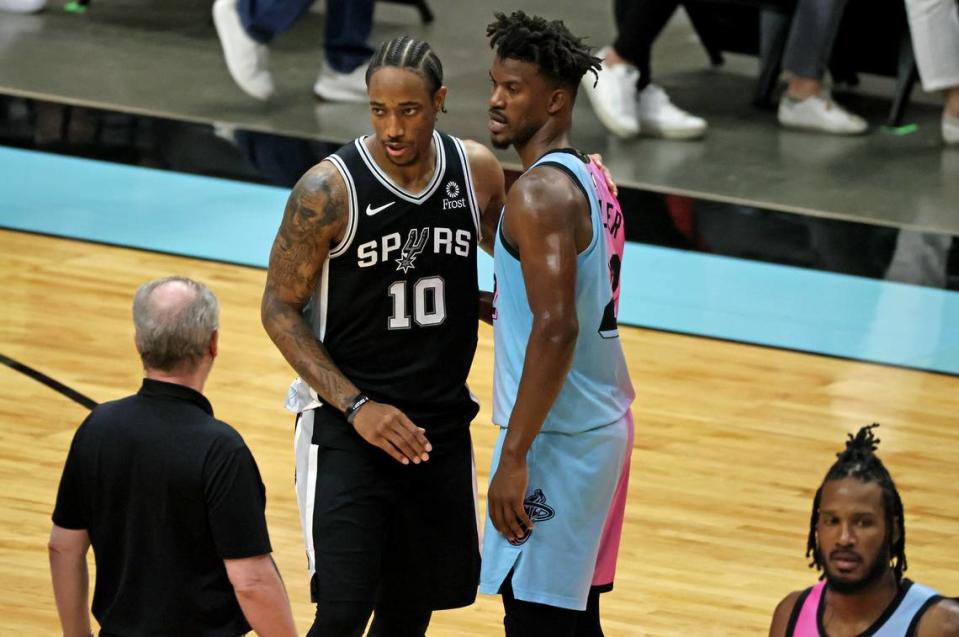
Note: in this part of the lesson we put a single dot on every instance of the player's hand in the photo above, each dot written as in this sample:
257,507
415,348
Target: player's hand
598,160
505,498
388,428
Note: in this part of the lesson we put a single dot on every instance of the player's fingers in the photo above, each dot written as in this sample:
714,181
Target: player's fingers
418,432
496,515
405,443
517,522
388,447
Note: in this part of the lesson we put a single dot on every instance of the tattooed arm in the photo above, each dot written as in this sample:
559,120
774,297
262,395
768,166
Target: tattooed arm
314,221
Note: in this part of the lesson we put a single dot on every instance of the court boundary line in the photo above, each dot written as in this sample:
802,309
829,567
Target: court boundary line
50,382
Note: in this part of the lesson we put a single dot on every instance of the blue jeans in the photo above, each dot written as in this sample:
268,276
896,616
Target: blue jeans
348,25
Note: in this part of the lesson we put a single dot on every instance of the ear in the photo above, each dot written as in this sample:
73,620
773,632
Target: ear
439,100
895,535
214,343
559,99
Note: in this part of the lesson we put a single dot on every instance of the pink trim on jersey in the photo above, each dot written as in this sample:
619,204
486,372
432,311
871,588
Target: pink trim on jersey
808,623
605,569
614,234
613,222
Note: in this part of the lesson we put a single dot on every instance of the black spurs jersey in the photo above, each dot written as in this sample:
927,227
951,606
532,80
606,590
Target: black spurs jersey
396,303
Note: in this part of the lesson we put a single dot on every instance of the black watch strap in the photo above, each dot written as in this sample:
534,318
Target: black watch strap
360,400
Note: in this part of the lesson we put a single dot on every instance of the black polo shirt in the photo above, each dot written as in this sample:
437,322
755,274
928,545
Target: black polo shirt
166,492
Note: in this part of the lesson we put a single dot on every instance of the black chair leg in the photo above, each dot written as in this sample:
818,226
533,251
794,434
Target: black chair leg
906,79
426,14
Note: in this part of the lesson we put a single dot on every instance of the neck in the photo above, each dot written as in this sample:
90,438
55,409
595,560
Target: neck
865,602
411,177
192,378
554,134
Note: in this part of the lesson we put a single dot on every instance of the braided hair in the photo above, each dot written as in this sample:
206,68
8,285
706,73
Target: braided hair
408,53
559,54
860,461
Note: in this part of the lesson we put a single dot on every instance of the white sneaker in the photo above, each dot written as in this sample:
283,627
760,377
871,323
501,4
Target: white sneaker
950,129
614,96
819,113
22,6
659,117
334,86
246,59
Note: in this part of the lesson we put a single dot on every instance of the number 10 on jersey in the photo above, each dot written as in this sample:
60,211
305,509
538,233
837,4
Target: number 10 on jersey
427,297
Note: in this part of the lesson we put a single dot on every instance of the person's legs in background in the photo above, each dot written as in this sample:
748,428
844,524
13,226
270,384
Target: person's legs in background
348,26
625,99
806,104
245,29
935,40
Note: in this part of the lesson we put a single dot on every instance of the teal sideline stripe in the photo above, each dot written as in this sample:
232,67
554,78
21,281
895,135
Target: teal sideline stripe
139,207
706,295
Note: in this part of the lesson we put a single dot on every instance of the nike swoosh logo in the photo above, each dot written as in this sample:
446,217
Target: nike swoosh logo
372,211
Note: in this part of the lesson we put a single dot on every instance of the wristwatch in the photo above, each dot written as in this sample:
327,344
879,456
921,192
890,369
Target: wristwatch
360,400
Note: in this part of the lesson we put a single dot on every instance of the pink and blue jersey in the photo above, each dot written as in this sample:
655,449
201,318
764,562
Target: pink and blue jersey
579,462
901,618
597,390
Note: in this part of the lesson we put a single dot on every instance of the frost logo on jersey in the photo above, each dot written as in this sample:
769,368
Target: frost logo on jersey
537,510
415,242
452,192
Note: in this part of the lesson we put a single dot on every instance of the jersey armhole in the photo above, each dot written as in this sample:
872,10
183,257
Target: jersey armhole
797,609
589,202
914,624
475,212
351,220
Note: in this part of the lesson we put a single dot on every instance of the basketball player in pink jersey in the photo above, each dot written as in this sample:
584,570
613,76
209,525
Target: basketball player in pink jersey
858,539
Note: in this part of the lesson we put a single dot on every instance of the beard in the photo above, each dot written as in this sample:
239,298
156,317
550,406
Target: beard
518,139
873,574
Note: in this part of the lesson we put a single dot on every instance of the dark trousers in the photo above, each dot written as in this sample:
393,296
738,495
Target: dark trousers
348,619
348,25
529,619
638,24
812,34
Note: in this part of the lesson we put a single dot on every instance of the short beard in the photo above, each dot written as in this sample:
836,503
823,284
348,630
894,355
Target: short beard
500,144
875,573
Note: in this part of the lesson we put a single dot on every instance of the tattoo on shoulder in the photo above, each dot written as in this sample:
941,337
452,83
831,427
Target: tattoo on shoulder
318,201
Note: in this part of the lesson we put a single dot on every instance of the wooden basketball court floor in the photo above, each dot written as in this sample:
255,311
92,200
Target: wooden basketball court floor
731,442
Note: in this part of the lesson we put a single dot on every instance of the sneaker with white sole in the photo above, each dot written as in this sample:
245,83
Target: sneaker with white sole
334,86
659,117
950,129
819,113
614,96
246,59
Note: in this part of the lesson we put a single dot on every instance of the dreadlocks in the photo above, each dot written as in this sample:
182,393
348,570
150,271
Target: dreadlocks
406,53
859,461
559,54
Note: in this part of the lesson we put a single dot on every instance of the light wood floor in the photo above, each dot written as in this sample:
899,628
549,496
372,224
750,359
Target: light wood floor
731,442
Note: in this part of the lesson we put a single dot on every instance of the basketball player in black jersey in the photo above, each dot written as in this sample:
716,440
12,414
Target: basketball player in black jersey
372,297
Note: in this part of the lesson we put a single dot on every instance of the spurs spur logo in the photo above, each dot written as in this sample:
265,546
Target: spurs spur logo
415,242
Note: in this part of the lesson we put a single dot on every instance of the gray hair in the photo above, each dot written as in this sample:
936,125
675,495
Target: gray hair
172,333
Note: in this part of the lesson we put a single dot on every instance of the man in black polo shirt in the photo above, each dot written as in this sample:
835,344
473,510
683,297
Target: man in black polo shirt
169,497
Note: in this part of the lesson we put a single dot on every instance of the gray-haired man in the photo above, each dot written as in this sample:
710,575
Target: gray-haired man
169,497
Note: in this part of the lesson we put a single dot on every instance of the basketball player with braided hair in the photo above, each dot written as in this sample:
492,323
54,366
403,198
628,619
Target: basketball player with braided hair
561,389
857,538
372,297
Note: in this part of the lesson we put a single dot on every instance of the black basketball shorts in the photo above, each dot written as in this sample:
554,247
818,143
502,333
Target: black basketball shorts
380,532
